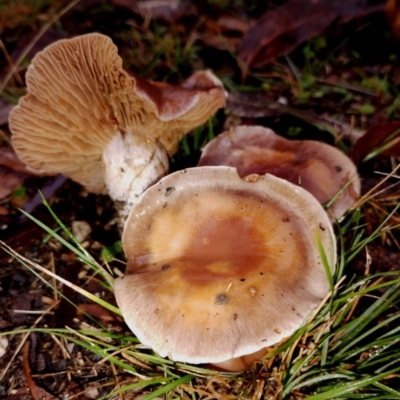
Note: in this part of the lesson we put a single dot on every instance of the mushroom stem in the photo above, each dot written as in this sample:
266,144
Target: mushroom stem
131,164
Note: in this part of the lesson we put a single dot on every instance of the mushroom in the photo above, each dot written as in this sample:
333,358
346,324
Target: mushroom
321,169
220,267
87,118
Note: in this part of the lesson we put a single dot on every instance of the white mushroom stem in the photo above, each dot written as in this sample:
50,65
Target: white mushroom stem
131,164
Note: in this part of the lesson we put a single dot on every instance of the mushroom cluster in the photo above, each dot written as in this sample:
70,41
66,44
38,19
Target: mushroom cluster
87,118
221,267
321,169
222,262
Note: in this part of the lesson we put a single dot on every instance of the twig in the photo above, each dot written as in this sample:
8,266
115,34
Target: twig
11,64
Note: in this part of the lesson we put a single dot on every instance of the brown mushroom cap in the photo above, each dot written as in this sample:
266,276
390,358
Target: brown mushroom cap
79,98
220,267
319,168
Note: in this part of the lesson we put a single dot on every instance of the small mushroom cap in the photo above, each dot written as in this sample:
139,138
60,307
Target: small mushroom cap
79,98
220,267
319,168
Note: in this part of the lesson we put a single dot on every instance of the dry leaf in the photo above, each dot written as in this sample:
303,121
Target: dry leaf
281,30
385,135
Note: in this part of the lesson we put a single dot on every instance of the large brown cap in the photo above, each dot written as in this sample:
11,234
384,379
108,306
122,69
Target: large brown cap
79,97
319,168
220,267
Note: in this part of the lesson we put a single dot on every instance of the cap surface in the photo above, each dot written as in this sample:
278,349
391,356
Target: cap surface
319,168
219,267
79,97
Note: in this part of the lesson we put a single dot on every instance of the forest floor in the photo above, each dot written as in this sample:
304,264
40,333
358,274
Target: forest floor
325,71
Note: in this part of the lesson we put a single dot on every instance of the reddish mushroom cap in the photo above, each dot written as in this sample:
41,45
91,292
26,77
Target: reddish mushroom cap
220,267
319,168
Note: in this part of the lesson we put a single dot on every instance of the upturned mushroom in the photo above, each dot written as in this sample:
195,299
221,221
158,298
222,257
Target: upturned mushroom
87,118
221,267
326,172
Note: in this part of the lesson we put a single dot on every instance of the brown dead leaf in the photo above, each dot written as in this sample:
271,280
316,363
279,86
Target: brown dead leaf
385,135
281,30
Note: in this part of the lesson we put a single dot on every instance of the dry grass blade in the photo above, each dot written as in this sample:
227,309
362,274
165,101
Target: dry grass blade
12,66
370,194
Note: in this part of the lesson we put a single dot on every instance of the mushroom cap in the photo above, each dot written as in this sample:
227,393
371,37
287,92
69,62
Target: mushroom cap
319,168
220,267
79,97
